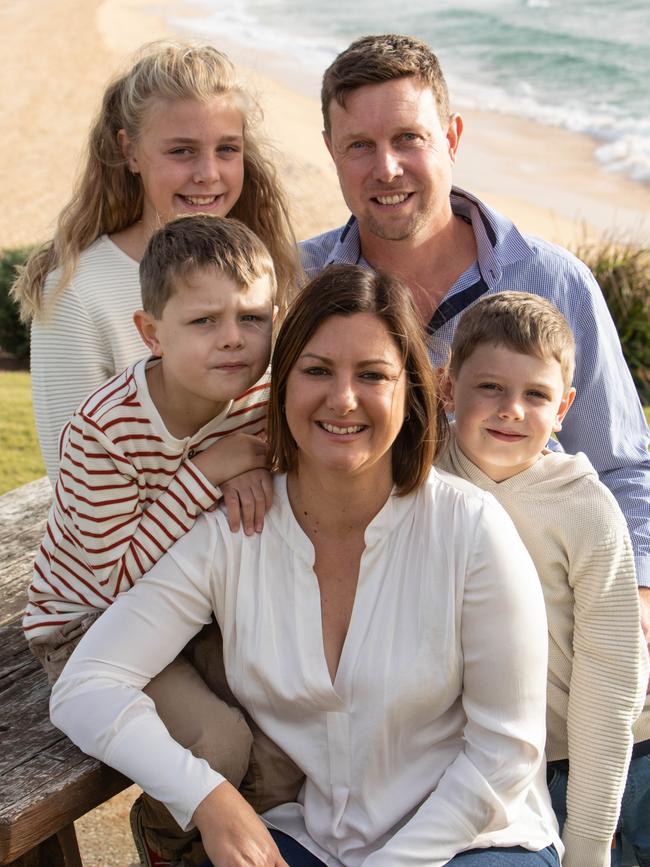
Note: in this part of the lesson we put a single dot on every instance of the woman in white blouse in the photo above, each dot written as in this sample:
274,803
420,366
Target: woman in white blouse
386,628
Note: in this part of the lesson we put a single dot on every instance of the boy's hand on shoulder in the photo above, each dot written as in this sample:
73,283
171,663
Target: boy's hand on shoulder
231,456
247,498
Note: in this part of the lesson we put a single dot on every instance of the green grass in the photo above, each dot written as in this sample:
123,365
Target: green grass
20,456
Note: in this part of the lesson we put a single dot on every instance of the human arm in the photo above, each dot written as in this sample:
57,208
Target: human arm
99,703
644,604
608,681
98,700
68,360
109,508
504,650
606,420
82,339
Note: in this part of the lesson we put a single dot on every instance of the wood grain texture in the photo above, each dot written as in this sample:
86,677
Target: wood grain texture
23,514
47,782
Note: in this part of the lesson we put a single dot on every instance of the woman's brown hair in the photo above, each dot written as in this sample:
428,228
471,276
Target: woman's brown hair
343,290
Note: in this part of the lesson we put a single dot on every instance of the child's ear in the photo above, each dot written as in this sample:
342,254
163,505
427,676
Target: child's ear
147,326
127,149
275,311
446,388
562,410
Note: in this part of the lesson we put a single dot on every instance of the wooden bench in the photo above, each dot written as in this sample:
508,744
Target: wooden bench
45,782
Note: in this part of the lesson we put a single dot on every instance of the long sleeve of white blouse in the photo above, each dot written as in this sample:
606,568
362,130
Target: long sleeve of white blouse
433,731
98,701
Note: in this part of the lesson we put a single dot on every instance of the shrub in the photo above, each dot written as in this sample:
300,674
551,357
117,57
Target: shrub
14,334
623,273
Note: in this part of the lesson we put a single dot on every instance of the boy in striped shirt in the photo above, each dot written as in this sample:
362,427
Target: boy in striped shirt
154,447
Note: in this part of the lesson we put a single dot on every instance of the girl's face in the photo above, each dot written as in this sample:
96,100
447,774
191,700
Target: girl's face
190,158
345,396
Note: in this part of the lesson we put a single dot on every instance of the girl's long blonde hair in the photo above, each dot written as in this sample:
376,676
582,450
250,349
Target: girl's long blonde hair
108,198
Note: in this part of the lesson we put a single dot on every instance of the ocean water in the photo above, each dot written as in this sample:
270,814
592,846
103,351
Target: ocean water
579,64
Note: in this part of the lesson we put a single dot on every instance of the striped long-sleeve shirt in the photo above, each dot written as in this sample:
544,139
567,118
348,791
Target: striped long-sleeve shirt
127,490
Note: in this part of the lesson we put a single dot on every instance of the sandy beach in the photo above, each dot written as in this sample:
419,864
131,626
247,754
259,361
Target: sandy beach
57,58
55,67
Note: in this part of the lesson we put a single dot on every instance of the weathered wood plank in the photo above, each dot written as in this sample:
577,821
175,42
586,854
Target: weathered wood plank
46,854
23,514
47,782
59,850
24,506
67,796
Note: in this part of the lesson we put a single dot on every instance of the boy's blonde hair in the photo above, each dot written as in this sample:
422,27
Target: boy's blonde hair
200,241
108,198
520,321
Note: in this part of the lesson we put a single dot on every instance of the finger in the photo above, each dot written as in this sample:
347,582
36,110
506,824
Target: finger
233,509
247,505
260,506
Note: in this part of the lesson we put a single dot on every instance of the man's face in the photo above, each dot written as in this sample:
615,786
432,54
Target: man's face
394,158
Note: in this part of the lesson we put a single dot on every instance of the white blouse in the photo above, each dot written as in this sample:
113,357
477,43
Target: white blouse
429,741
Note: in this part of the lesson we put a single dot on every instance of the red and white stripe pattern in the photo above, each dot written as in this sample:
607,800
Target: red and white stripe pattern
127,490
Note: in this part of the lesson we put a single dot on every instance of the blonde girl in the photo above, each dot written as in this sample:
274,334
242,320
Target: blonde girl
175,134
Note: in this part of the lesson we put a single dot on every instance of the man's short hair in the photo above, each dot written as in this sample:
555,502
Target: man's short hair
520,321
375,59
343,290
200,241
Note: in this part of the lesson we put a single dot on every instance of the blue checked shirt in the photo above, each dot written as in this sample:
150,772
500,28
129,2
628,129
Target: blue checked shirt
606,420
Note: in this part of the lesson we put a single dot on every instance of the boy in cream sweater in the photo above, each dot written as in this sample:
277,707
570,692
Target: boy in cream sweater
509,385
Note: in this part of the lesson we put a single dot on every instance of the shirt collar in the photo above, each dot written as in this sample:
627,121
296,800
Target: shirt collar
498,241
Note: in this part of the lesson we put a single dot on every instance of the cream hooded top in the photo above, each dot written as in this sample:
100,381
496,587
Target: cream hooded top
597,668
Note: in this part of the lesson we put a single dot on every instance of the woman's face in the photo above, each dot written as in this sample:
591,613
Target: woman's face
190,158
345,396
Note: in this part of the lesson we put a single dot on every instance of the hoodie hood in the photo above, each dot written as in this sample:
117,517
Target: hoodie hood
554,475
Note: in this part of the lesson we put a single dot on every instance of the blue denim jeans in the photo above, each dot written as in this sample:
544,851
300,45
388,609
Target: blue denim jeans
632,844
516,856
297,856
